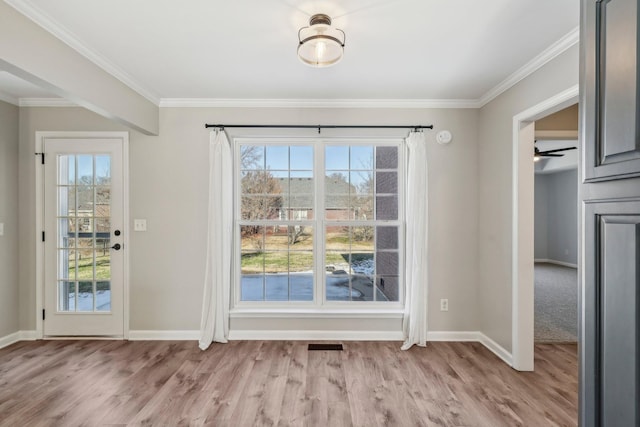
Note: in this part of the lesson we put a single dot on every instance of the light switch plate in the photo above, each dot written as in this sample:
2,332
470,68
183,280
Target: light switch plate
1,228
139,225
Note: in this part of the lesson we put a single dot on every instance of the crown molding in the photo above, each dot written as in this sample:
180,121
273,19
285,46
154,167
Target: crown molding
556,49
45,102
317,103
28,9
9,98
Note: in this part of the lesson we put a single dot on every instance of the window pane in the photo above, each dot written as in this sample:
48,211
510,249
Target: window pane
277,287
66,296
252,157
300,237
252,287
388,288
277,157
386,207
301,284
66,201
252,238
272,206
387,157
387,237
301,262
67,170
103,296
85,296
337,193
103,170
301,157
361,157
85,170
299,198
387,263
387,182
338,286
336,157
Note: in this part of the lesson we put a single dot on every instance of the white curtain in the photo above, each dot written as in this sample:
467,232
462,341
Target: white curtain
414,322
214,325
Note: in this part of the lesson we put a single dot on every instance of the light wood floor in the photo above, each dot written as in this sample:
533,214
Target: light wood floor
263,383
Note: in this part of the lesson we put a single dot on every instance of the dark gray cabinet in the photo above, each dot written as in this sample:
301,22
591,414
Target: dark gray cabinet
610,219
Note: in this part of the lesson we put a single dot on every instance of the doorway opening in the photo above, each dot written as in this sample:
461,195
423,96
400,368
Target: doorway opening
556,228
523,224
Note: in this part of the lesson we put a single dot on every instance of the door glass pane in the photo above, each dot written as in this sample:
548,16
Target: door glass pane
85,170
83,234
85,296
103,170
67,264
103,296
66,296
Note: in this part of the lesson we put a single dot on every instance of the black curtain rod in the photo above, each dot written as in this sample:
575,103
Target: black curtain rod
319,127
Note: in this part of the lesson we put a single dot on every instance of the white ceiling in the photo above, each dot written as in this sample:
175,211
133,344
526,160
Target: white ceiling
246,49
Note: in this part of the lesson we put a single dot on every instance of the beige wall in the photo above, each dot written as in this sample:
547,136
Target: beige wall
168,187
563,120
495,186
9,217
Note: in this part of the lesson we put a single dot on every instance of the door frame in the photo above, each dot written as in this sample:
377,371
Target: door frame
522,317
39,205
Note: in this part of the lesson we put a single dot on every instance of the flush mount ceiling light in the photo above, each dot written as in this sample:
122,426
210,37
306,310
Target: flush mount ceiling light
320,45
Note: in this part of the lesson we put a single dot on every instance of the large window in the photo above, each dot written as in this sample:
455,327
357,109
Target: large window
318,222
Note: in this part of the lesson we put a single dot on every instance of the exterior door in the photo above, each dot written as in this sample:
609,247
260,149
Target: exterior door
83,237
610,193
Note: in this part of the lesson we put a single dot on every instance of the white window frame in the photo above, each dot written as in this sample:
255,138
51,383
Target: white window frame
319,302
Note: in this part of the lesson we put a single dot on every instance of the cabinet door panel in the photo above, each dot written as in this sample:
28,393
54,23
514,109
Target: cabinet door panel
613,144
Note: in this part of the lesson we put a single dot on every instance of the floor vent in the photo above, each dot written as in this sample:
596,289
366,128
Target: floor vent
333,347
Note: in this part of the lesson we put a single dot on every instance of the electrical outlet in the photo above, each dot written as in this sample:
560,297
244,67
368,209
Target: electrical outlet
444,304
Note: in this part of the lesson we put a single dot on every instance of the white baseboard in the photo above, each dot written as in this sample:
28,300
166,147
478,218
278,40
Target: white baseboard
553,261
194,335
472,336
455,336
316,335
188,335
7,340
496,349
16,337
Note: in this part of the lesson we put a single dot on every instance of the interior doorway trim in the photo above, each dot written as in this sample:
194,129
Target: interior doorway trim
522,332
39,204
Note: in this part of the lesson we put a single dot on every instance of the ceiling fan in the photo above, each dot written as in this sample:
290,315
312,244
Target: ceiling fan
537,154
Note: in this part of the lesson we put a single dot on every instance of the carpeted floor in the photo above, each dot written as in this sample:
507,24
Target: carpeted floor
556,303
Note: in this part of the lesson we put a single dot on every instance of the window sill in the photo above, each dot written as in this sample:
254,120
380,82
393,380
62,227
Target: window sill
309,313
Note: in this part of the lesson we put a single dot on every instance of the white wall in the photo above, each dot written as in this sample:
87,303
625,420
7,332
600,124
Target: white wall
9,217
168,188
496,180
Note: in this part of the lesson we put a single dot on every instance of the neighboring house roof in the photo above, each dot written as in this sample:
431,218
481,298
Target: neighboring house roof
297,193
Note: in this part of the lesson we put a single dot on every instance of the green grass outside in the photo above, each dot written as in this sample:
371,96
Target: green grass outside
280,262
85,268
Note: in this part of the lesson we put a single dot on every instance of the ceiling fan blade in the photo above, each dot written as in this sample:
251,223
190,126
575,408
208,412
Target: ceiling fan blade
550,155
558,149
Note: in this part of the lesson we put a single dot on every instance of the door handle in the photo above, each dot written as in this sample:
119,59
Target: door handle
117,246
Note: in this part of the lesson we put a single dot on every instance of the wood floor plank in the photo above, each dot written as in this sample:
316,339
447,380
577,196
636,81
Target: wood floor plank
269,383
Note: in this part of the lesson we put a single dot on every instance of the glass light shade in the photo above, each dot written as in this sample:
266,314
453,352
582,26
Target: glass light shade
320,45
